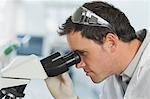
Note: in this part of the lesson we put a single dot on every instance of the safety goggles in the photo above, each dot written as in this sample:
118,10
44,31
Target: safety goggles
86,17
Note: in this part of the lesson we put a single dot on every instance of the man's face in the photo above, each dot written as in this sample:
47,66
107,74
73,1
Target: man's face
96,60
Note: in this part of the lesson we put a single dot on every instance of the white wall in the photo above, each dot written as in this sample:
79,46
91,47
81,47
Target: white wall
7,20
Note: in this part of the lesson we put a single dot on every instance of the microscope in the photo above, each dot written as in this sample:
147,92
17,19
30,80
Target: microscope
22,69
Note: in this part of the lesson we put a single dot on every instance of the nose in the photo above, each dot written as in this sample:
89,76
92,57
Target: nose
81,64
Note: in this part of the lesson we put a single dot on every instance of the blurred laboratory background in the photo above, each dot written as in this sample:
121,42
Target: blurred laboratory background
30,27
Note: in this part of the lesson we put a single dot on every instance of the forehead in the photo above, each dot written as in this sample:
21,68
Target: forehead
75,37
77,42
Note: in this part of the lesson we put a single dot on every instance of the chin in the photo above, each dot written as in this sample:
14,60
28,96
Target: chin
96,80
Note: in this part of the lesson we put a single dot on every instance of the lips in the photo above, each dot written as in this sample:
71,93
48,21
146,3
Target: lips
87,72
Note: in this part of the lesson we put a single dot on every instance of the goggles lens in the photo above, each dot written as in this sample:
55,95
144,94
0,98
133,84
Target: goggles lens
86,17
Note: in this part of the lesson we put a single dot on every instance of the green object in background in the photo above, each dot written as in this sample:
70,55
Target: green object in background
10,49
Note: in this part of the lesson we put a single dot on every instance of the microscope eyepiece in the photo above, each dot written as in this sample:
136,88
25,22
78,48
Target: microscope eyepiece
72,58
56,64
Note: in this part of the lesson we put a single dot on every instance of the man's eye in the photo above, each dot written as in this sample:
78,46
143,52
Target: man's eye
82,53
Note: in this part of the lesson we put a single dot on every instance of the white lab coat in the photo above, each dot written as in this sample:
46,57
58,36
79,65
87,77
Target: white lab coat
139,86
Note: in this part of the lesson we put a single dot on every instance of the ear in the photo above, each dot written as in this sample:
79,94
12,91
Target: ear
111,42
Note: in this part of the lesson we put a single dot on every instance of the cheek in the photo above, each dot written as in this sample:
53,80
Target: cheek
99,64
94,64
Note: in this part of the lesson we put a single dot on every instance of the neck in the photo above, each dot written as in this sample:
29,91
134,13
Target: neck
128,53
